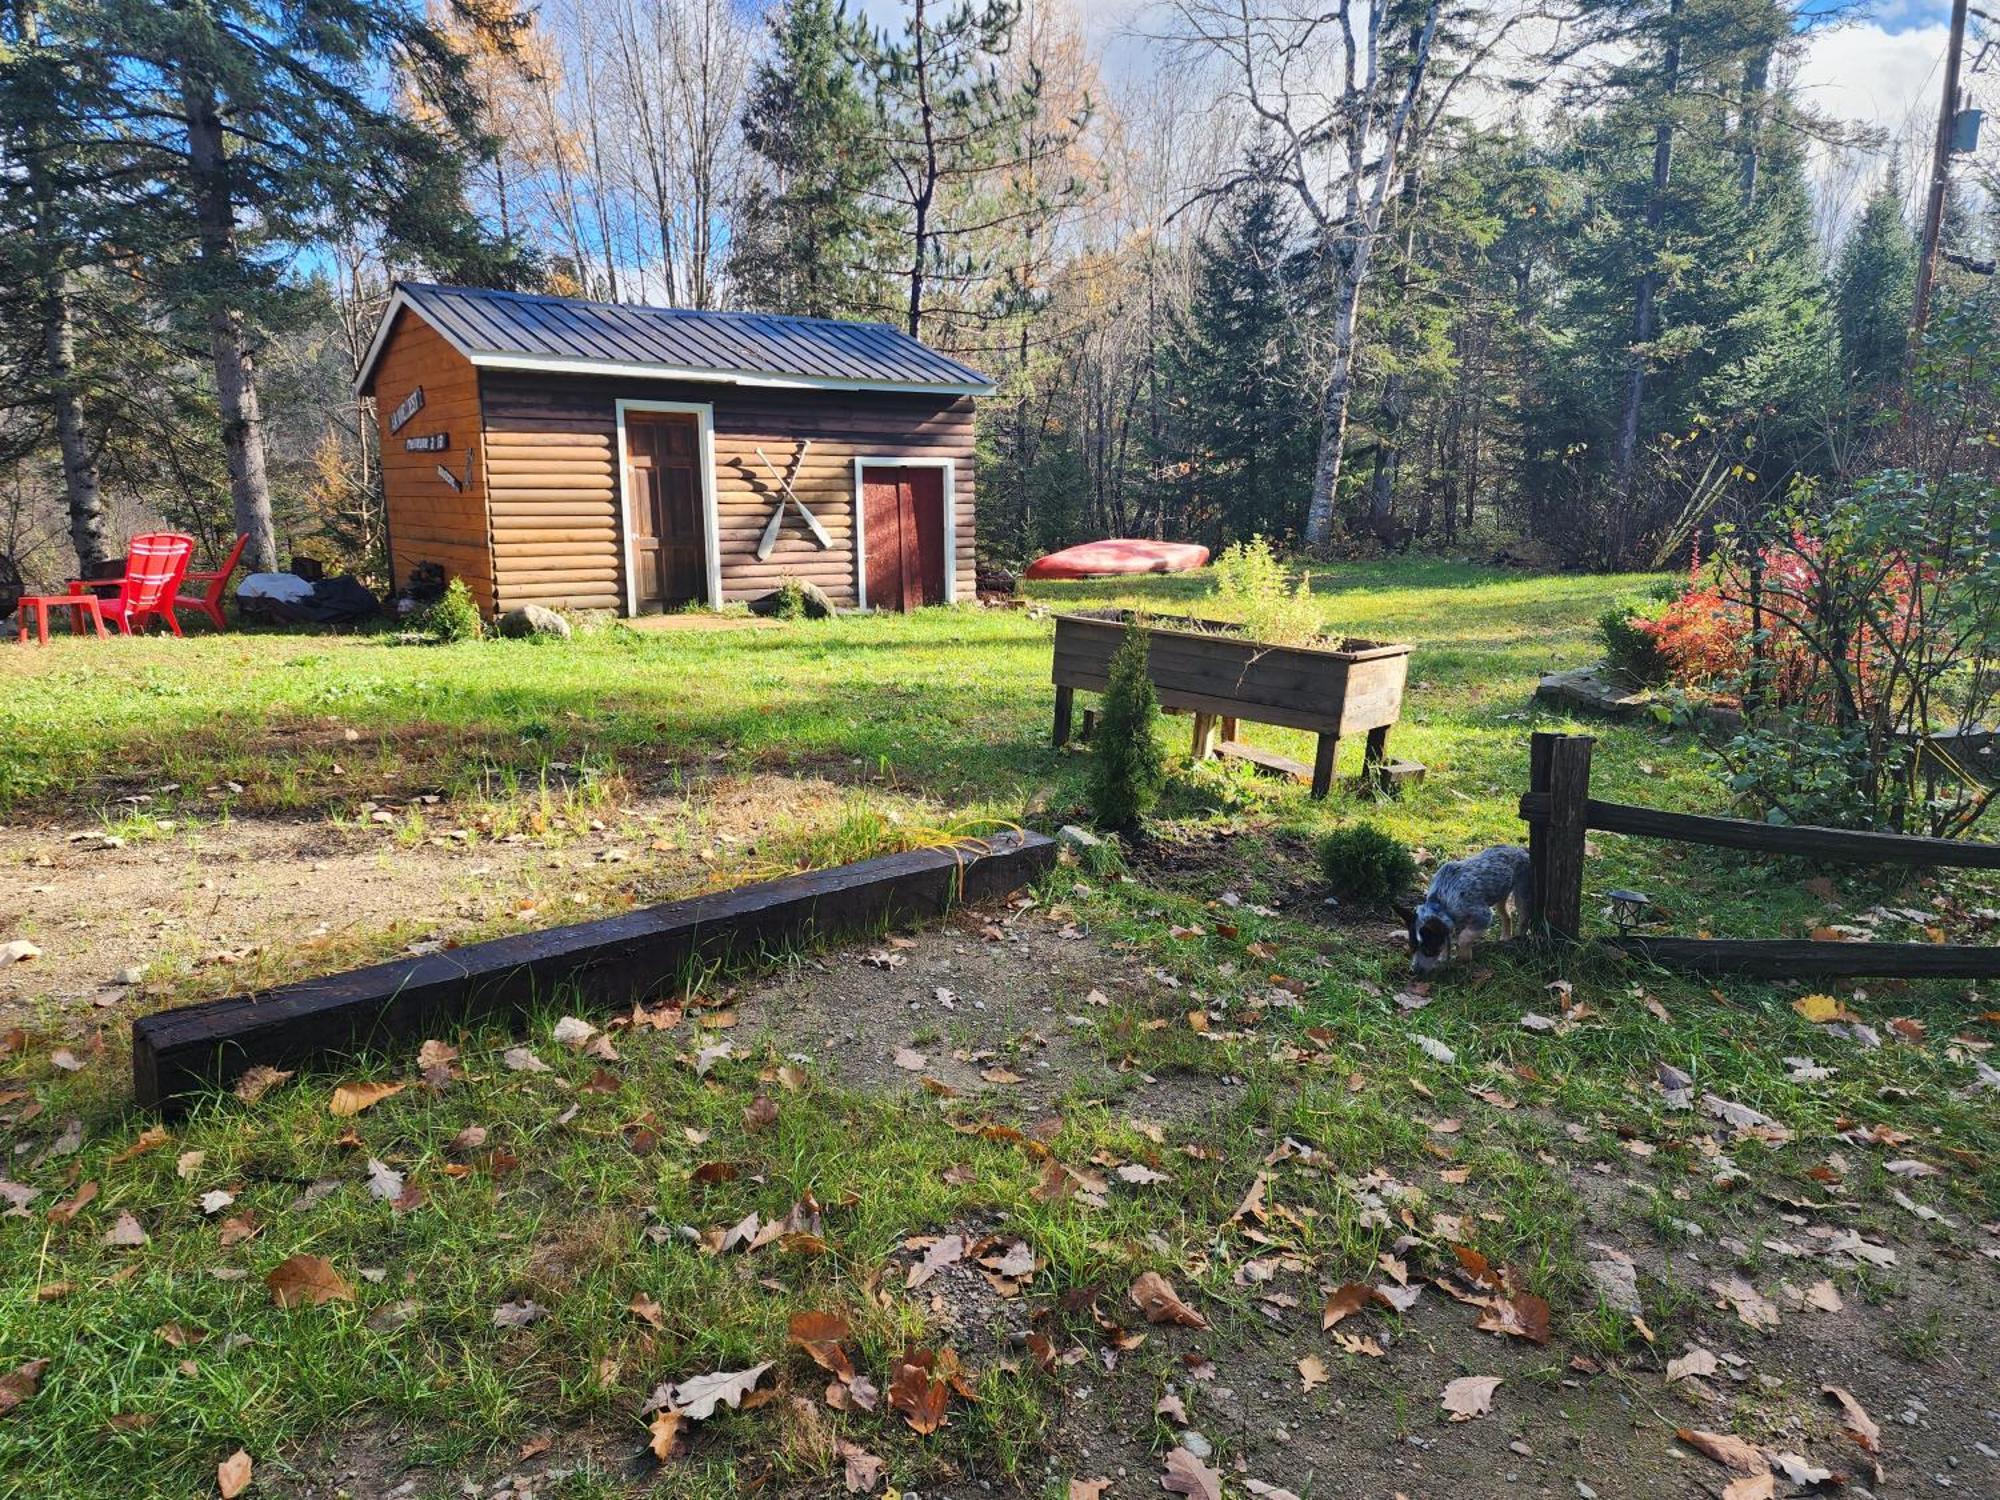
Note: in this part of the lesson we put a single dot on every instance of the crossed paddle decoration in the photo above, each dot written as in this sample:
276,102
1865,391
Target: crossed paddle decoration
786,497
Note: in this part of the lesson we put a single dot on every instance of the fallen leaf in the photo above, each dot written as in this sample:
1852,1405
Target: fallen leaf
862,1471
1312,1372
1088,1489
308,1280
1157,1300
1751,1487
760,1114
1822,1008
518,1314
1521,1316
148,1139
698,1396
665,1431
521,1060
352,1098
643,1306
259,1080
948,1251
910,1060
1470,1396
916,1393
1753,1308
1188,1475
63,1212
1697,1361
1726,1449
19,951
384,1181
19,1384
232,1475
1345,1301
127,1233
1862,1426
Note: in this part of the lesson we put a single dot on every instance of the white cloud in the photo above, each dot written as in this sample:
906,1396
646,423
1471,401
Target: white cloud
1875,77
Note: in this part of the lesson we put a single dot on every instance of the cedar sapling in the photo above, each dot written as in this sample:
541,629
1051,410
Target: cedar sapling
1127,769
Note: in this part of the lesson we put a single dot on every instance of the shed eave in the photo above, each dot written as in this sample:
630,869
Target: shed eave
550,365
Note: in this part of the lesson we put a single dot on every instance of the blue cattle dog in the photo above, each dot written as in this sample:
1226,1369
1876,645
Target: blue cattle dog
1459,906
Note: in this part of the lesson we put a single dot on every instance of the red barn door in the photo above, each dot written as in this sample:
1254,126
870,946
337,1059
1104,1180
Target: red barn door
903,526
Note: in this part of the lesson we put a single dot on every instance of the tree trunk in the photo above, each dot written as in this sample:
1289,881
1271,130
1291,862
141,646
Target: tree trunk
1644,307
1339,396
1750,120
79,464
1395,388
235,367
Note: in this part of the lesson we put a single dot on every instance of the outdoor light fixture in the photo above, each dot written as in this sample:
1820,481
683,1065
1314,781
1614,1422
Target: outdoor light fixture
1628,909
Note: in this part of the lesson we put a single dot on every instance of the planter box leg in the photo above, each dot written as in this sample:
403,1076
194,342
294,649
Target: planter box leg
1375,756
1065,708
1089,725
1204,737
1323,759
1228,728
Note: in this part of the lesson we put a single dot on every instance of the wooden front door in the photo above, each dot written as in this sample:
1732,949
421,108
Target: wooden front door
902,519
663,510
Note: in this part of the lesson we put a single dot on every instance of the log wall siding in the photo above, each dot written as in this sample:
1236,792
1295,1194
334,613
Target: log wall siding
554,474
428,520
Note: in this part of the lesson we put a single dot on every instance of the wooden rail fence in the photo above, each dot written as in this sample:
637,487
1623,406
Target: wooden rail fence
1560,812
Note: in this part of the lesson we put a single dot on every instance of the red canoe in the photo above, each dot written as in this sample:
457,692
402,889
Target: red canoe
1119,555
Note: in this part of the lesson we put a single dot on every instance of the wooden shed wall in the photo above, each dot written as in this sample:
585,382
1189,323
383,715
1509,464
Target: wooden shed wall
554,474
428,520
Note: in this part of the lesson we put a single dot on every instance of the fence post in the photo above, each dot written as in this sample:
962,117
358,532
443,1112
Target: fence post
1559,765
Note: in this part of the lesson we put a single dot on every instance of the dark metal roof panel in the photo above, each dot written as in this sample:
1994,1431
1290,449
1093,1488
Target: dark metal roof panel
519,325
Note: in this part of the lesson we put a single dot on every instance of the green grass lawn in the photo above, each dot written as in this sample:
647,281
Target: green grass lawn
166,1357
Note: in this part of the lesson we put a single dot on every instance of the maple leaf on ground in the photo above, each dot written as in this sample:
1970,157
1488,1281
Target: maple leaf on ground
1521,1316
1859,1424
863,1470
1157,1300
19,1384
1469,1396
1088,1489
1188,1475
1697,1361
1726,1449
232,1475
948,1251
307,1280
1345,1301
351,1098
697,1397
916,1393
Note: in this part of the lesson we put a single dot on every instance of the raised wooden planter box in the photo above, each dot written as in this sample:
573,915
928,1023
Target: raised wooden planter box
1197,666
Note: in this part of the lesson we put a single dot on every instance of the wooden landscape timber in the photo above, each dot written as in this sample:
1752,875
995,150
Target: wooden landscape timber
1560,812
598,965
1224,678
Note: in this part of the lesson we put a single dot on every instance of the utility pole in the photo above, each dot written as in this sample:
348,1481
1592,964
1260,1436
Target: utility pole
1920,309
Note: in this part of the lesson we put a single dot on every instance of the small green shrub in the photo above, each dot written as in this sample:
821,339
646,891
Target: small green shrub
1127,769
1362,863
1630,650
791,603
453,616
1252,578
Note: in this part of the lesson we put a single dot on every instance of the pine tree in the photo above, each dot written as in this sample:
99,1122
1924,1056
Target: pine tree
807,238
1875,281
264,125
1126,767
1243,435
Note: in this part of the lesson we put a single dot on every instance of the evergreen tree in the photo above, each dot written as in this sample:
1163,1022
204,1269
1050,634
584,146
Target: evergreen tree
807,237
1875,281
1242,401
264,125
1126,767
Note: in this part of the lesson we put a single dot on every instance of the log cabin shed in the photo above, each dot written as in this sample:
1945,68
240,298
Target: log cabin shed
595,455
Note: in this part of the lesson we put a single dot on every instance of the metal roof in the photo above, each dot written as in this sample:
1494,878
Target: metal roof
522,331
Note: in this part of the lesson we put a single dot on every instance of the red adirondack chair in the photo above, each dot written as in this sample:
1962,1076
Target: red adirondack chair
211,583
154,568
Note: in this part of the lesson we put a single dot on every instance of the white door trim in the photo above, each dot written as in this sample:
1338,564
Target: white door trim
900,461
704,413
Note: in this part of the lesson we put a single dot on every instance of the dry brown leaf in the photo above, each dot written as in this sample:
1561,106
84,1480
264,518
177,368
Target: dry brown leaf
63,1212
258,1081
1312,1372
916,1393
1188,1475
665,1432
148,1139
1726,1449
352,1098
948,1251
19,1384
1345,1301
232,1475
1697,1361
645,1307
1863,1427
1470,1396
1751,1487
1088,1489
307,1280
1521,1316
1157,1300
760,1114
862,1471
